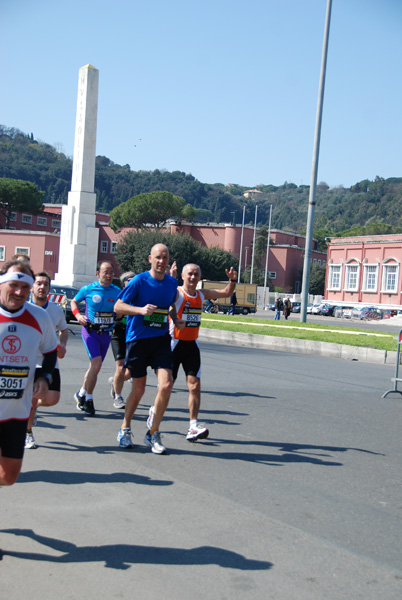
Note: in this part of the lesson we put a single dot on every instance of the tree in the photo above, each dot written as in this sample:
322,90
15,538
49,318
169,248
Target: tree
150,210
17,196
133,251
317,280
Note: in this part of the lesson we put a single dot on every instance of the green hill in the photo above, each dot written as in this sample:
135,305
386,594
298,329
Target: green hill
366,207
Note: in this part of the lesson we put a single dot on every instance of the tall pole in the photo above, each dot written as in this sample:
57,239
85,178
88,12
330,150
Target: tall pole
252,258
241,244
266,258
313,183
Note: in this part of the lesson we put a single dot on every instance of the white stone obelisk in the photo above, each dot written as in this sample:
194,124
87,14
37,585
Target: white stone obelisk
79,235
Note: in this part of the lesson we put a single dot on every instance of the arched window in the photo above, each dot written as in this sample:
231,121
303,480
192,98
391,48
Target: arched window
390,276
352,272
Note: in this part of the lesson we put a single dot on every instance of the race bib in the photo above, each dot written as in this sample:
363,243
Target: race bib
192,317
103,318
158,319
13,381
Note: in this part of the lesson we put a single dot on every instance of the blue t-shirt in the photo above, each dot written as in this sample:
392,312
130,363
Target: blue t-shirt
144,289
99,303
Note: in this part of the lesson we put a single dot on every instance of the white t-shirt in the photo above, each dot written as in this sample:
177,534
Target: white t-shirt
23,335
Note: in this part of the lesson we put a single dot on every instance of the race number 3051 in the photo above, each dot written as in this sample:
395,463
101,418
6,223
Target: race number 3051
13,381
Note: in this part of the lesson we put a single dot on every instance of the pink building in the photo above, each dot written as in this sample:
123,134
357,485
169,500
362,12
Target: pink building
365,270
286,253
38,236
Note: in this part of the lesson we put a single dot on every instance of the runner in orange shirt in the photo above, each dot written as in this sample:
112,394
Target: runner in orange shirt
185,347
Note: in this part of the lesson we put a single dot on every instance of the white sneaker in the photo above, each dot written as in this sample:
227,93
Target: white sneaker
30,442
154,441
150,419
111,383
119,402
197,433
124,438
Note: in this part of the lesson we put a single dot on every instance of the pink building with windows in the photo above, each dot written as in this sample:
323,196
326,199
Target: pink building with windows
364,270
38,236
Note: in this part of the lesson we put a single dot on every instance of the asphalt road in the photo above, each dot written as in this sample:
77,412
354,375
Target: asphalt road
296,494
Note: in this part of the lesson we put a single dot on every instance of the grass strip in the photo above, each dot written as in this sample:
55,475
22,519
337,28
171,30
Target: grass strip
380,340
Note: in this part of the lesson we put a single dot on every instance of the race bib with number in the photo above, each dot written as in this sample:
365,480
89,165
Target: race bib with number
103,318
13,381
158,319
192,316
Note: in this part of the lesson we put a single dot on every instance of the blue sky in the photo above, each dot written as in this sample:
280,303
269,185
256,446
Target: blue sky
223,89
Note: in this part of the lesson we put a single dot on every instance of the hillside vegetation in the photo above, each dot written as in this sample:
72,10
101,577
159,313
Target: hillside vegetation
366,207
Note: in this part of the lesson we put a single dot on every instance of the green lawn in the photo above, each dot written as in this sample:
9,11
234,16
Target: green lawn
381,340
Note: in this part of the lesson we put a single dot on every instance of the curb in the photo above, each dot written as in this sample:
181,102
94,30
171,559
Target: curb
329,349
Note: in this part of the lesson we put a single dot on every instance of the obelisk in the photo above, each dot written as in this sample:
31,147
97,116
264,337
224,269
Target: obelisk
79,235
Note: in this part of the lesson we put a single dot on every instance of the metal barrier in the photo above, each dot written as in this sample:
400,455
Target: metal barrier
396,379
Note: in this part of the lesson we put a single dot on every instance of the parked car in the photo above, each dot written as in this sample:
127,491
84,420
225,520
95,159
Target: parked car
389,312
367,312
295,307
339,311
316,310
309,308
328,310
69,292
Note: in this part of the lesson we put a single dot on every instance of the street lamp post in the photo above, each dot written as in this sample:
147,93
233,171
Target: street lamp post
314,170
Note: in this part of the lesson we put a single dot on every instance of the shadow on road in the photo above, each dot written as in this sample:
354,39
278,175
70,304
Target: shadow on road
120,556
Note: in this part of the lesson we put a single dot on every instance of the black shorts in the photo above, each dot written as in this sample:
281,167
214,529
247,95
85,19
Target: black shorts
188,355
118,342
12,438
152,352
56,383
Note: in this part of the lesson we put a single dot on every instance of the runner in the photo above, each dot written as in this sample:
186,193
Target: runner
39,297
118,344
184,342
147,300
25,331
97,325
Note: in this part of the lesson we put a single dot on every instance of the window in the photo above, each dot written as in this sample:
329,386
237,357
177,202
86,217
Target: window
56,223
2,253
390,278
113,247
103,247
335,277
272,274
13,216
352,278
370,277
42,221
26,219
22,250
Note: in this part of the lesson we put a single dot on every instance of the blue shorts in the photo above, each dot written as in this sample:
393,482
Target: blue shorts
152,352
97,344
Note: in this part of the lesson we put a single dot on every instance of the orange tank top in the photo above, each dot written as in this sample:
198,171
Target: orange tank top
188,308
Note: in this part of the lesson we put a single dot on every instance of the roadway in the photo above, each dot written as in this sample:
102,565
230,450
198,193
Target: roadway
295,494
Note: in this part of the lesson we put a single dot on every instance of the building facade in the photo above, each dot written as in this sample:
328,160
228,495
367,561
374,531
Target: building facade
38,236
365,270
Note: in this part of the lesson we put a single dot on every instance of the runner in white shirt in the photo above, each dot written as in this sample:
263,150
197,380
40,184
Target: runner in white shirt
25,331
39,296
